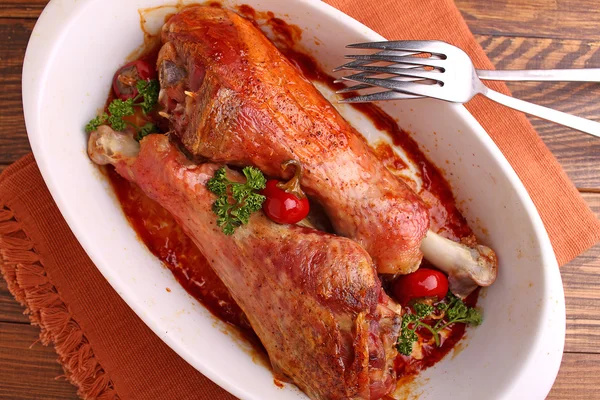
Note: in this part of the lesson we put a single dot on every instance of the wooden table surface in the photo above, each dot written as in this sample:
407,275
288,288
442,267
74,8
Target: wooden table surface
515,34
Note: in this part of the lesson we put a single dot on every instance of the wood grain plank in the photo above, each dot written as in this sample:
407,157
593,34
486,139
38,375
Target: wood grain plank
14,34
577,378
539,18
21,9
29,370
527,18
10,310
566,19
577,152
581,280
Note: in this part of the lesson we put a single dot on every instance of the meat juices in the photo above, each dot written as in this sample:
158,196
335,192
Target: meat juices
313,299
233,98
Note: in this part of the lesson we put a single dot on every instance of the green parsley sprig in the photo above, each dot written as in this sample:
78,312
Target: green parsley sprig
145,130
236,201
146,99
452,311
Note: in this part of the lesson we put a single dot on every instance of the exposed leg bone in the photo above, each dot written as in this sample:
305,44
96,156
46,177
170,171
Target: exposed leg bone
105,146
466,267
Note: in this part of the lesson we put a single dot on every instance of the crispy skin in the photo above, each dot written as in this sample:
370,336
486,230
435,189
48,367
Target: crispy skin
250,106
313,299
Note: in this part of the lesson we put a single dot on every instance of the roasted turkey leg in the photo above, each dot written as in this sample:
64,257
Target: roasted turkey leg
233,98
313,299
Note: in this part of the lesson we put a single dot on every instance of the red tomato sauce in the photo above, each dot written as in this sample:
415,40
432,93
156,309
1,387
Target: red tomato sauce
158,230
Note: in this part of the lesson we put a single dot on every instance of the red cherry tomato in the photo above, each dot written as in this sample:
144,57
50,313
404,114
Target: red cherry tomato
283,207
127,76
424,282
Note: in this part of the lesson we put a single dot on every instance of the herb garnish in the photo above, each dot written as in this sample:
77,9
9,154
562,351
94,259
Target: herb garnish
146,130
236,200
452,311
146,98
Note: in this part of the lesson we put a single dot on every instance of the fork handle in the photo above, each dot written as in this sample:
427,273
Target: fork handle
581,124
537,75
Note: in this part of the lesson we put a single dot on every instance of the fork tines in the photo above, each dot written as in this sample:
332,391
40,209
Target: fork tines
431,46
381,96
399,66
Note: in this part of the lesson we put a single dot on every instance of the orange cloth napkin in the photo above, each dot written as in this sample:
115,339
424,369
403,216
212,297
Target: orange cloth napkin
108,353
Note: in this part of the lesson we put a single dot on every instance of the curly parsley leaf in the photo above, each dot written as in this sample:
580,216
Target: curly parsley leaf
423,310
254,201
407,336
118,109
148,91
240,192
410,324
227,225
95,123
117,123
255,178
218,184
459,312
237,201
146,130
451,311
474,317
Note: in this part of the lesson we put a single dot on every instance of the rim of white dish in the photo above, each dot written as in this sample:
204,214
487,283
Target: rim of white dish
51,24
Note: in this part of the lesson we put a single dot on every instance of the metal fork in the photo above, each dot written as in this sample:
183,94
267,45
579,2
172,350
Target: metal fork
436,69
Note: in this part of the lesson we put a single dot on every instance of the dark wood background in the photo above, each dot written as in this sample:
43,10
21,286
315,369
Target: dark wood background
515,34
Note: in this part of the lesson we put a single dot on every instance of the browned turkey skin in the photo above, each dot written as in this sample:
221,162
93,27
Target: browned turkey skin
313,299
233,98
